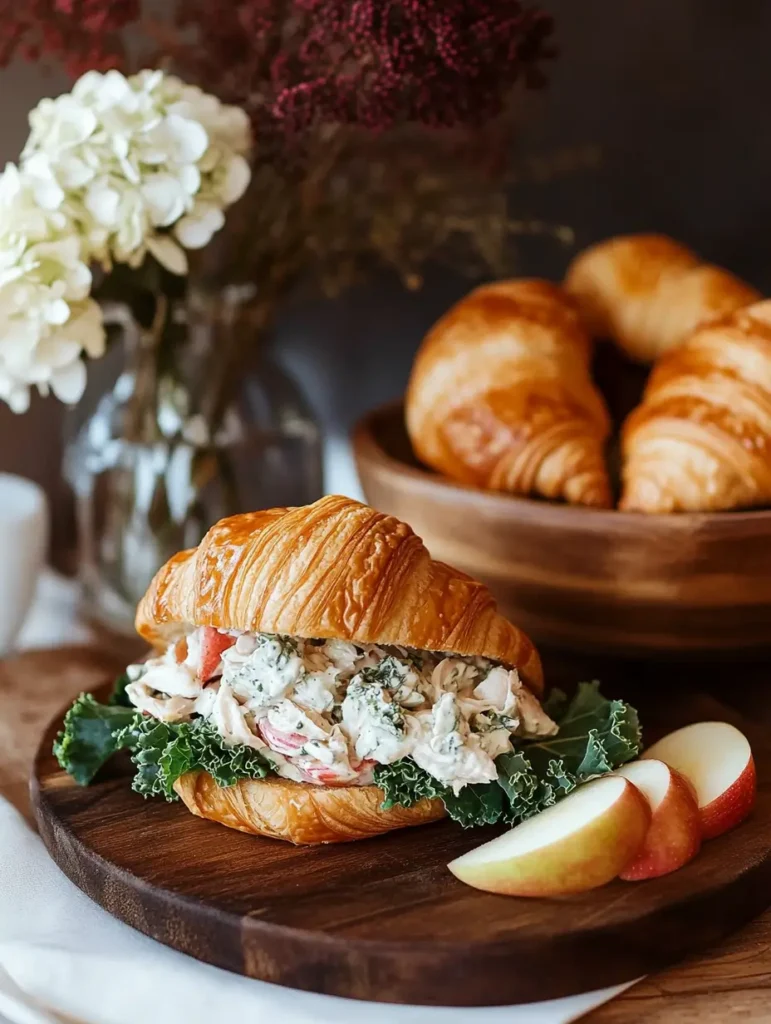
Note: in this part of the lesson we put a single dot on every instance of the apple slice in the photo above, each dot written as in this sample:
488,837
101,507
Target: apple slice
578,844
674,836
717,759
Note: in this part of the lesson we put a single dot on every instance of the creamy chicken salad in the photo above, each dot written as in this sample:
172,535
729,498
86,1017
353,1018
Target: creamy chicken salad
328,711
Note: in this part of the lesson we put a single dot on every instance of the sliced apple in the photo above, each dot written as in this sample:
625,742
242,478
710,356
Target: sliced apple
674,836
717,759
580,843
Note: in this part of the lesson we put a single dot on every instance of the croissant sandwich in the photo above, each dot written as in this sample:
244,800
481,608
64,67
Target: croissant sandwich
700,441
501,396
318,678
647,293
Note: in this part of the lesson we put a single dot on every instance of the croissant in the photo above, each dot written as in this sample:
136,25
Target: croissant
299,813
700,441
336,570
501,396
647,293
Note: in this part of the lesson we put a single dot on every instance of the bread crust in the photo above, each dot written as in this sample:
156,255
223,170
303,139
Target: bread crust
648,292
298,812
501,396
700,439
334,569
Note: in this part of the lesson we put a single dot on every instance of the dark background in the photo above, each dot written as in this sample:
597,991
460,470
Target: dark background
674,97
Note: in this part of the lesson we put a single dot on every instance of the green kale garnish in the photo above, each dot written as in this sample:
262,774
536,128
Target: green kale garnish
91,735
118,694
596,735
161,751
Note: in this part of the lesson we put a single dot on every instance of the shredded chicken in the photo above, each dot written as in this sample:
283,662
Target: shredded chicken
329,711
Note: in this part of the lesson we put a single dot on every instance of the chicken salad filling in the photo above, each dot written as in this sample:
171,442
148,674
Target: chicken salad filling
329,712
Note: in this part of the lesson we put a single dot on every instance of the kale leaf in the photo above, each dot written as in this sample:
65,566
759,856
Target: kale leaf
118,695
160,751
596,735
91,735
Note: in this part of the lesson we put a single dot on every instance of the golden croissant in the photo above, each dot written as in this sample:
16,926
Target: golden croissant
329,642
700,441
648,293
501,396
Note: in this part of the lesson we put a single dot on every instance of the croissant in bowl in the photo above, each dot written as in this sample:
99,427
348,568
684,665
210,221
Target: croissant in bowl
700,441
501,396
648,292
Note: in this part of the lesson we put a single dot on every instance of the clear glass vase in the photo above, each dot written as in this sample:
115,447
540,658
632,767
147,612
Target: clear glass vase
186,436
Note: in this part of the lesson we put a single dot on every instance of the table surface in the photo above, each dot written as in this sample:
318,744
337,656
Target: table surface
732,981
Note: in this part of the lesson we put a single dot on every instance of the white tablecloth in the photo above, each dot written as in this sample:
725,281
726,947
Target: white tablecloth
64,959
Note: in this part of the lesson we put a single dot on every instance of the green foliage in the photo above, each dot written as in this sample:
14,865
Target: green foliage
161,751
90,736
596,735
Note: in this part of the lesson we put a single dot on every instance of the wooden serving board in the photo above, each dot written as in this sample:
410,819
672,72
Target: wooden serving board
383,919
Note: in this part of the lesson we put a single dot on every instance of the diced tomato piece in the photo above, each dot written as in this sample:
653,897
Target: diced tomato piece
287,743
334,775
213,643
325,775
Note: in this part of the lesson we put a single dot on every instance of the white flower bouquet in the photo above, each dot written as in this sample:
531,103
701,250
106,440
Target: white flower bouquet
122,170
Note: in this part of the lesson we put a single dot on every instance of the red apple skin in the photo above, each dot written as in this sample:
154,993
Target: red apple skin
674,836
589,857
731,808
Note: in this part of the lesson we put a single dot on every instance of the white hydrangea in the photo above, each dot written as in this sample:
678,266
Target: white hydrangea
119,168
141,164
47,319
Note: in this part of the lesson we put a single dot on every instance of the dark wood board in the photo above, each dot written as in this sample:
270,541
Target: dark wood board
383,919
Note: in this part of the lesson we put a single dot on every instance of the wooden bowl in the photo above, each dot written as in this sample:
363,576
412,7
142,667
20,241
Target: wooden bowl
578,578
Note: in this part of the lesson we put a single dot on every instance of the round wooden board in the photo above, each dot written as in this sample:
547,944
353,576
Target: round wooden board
383,919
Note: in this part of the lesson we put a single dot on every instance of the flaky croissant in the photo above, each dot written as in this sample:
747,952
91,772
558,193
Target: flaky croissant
701,439
334,569
501,396
300,813
647,293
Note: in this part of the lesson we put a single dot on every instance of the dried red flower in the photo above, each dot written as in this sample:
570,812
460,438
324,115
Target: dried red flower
440,63
83,34
340,93
375,63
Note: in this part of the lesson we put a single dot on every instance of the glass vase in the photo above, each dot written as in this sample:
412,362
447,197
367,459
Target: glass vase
194,429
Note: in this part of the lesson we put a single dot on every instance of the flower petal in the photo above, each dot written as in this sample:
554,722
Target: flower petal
195,230
103,203
165,199
168,253
236,180
69,383
187,138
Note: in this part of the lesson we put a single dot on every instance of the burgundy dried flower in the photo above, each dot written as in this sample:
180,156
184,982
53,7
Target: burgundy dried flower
440,63
84,34
340,93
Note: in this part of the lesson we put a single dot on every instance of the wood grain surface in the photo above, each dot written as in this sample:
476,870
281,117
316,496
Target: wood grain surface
582,578
383,918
